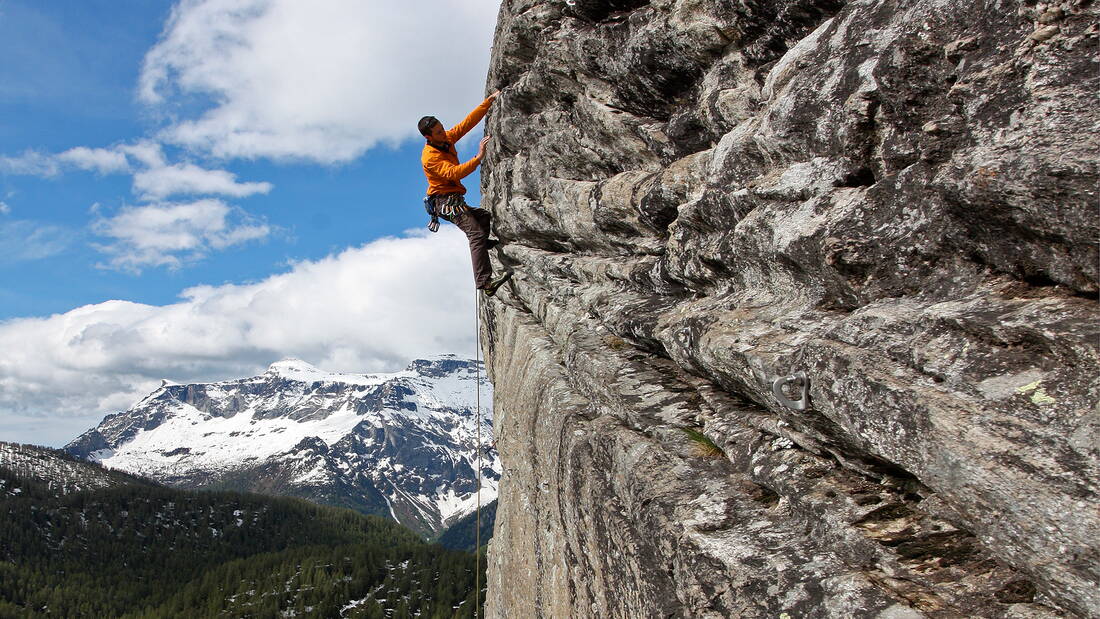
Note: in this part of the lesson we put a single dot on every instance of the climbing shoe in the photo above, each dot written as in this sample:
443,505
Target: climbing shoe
491,289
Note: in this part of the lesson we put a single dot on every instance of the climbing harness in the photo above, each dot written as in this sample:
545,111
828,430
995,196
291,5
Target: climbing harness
803,400
448,206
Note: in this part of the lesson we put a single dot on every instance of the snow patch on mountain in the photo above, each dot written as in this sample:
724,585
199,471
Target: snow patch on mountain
196,440
298,370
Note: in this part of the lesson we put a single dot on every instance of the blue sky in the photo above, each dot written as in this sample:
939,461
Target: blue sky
193,190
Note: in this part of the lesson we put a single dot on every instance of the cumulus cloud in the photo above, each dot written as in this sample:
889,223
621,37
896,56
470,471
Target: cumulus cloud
154,177
146,152
188,178
101,160
366,309
318,81
4,208
172,234
31,163
149,235
35,163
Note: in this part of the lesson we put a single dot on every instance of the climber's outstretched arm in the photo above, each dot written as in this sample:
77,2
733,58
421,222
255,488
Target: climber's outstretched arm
471,121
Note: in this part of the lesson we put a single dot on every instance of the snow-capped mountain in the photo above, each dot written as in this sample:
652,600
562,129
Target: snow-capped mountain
402,445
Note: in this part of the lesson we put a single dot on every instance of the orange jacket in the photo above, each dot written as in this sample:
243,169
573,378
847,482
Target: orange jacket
441,166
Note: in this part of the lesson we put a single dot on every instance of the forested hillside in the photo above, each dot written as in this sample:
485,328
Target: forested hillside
138,550
56,472
463,535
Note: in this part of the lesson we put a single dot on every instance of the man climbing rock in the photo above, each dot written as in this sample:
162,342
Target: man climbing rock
446,194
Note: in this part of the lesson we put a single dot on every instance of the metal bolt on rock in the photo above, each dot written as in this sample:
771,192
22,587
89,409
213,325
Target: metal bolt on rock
803,401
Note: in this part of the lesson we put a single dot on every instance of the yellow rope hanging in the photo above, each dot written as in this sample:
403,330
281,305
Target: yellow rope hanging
477,525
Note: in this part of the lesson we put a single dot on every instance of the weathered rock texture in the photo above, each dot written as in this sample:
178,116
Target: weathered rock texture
898,198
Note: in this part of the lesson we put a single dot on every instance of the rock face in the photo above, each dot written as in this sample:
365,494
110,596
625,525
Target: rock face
700,198
401,445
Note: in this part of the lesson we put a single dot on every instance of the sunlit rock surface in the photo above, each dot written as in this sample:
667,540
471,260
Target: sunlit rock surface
699,197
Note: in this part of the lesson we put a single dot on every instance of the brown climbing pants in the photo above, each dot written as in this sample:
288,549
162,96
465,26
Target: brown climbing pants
475,223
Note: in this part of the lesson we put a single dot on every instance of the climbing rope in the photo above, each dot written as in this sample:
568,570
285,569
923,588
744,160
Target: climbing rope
477,526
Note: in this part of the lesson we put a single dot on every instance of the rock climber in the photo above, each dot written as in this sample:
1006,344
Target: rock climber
446,195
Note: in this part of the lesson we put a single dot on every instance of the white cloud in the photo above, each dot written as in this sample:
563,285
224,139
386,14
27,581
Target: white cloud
34,163
31,163
147,152
367,309
22,240
172,234
154,234
4,208
188,178
154,177
320,81
101,160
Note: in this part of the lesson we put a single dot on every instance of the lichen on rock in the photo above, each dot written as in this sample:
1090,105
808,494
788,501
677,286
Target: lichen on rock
699,197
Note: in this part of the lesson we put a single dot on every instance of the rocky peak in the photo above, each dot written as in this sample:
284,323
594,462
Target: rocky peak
294,369
442,365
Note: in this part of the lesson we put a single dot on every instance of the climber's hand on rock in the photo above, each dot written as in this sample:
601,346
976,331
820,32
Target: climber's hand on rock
481,147
493,97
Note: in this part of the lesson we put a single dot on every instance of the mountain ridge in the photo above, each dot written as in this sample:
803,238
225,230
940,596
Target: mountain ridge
401,444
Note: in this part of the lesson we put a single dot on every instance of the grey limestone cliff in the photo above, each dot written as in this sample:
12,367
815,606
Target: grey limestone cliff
897,199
